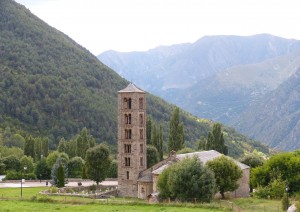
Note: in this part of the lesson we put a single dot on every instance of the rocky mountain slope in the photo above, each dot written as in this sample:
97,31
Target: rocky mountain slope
276,118
217,77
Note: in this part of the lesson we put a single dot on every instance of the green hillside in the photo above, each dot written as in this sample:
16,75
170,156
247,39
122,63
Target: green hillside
51,86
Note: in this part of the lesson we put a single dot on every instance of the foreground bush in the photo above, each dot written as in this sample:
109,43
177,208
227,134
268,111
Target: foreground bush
187,180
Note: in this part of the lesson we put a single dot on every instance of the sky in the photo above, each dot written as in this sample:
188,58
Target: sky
140,25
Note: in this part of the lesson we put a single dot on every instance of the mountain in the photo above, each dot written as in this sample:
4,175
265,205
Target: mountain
217,77
51,86
183,65
225,95
276,119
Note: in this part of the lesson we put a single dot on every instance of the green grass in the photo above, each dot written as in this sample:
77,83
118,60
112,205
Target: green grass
36,206
254,204
32,201
16,192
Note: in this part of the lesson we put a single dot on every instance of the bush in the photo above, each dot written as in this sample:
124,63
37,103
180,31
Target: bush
45,199
53,190
29,176
275,190
12,175
186,180
262,192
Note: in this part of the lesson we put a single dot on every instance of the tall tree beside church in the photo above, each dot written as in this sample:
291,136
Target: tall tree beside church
215,140
154,136
160,143
29,147
176,133
84,141
149,130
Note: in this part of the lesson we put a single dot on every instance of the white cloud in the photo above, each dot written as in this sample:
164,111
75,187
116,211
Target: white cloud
130,25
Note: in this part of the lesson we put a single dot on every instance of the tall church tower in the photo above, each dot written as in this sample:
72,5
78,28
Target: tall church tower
131,139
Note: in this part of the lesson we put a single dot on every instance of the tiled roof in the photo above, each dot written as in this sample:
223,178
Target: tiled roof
146,178
204,156
131,88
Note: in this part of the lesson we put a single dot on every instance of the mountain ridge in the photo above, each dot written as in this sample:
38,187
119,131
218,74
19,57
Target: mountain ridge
216,77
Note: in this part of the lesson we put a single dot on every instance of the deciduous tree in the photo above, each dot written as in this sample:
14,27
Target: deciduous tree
227,174
152,155
97,163
187,180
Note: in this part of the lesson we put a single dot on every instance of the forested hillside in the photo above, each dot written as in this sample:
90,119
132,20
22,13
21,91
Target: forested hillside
50,86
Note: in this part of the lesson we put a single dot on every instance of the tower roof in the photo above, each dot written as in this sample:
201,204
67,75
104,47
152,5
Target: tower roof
131,88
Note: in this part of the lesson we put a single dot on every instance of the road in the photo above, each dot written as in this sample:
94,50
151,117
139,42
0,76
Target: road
43,183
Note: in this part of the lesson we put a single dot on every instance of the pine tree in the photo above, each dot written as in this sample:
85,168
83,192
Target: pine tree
215,140
29,147
160,143
148,131
62,145
176,134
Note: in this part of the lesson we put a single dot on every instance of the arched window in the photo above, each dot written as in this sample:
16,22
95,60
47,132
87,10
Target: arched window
141,161
127,118
141,119
125,103
127,148
129,103
141,134
141,148
141,103
128,134
127,161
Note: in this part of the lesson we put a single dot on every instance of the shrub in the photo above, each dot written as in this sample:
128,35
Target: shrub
45,199
53,190
92,188
262,192
186,180
12,175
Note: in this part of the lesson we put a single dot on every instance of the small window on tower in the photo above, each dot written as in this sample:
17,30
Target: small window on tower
125,103
141,134
128,134
141,103
127,175
129,103
141,148
127,161
141,119
141,161
127,148
127,118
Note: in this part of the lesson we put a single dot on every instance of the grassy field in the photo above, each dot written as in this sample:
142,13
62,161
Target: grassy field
32,201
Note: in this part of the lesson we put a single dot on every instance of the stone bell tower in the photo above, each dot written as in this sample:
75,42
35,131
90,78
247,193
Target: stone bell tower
131,139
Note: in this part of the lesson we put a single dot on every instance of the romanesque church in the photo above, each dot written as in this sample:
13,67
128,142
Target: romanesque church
134,178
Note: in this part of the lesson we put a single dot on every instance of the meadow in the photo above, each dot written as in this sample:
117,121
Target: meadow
10,200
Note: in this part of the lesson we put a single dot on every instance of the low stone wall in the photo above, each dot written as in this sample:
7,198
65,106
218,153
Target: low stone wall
84,191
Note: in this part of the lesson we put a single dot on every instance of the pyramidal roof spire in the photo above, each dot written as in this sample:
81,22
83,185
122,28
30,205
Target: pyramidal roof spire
131,88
